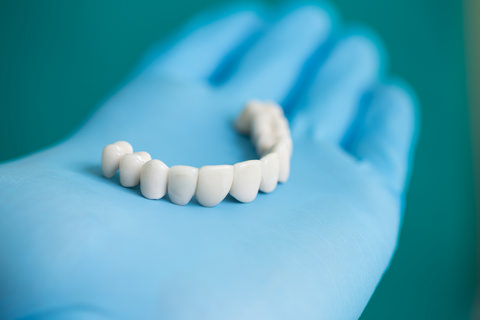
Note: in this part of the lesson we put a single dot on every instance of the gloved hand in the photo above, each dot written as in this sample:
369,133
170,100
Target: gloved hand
75,245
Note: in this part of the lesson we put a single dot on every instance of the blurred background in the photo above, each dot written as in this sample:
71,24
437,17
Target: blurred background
60,59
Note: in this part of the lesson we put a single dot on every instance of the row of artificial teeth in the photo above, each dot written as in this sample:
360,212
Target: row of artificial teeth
269,130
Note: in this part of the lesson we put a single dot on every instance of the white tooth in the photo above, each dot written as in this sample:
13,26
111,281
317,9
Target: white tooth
130,167
125,146
270,170
284,161
153,179
287,143
111,156
274,109
264,144
182,182
243,122
213,185
246,180
261,127
144,156
281,128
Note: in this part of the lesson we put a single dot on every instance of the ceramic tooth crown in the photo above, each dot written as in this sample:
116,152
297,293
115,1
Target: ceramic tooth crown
130,167
270,169
111,156
268,129
153,179
284,161
246,180
243,122
182,183
213,184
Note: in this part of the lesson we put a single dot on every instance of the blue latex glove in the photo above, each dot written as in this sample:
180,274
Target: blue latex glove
74,245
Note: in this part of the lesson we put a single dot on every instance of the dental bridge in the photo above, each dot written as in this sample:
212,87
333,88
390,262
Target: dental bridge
268,129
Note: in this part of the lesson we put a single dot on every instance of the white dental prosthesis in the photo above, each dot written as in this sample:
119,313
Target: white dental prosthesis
268,129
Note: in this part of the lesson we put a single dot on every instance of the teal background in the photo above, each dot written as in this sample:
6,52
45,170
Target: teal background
60,59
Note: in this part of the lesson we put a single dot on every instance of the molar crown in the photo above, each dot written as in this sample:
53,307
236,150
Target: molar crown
111,156
268,129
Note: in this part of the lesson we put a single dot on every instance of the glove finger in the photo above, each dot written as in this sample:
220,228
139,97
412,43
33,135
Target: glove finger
271,67
385,133
329,105
206,43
